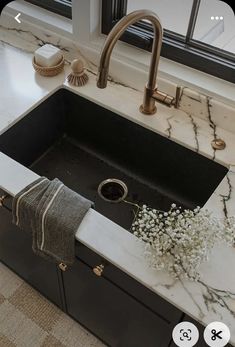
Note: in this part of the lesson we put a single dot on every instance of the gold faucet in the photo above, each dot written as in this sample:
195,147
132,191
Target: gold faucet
151,92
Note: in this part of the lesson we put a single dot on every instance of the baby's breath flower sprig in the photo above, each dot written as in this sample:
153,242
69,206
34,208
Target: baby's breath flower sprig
180,240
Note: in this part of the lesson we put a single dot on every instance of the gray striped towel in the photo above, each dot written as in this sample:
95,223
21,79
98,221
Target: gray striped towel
52,212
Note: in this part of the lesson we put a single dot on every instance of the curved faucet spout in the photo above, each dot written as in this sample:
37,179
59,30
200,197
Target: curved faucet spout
148,106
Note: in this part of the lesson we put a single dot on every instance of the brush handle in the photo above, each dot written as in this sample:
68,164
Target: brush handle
77,66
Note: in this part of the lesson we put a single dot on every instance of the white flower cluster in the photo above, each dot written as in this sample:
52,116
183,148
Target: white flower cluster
180,240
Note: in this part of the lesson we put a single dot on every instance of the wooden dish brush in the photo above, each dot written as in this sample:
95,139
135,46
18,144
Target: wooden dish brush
77,77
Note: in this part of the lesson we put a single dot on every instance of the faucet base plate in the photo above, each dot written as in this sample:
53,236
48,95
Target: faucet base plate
148,112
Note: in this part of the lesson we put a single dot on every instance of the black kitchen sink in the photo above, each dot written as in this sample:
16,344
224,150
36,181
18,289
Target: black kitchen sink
83,144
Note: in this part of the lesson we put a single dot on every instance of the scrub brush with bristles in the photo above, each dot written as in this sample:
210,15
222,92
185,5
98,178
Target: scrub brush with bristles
77,77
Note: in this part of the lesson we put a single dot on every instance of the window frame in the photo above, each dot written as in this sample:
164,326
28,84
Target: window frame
176,47
61,7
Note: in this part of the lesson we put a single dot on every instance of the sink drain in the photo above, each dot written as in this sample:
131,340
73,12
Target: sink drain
112,190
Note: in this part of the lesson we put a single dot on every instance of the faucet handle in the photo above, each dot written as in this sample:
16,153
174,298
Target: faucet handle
163,98
167,99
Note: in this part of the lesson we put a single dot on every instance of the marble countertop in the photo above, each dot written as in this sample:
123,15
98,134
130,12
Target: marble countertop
211,299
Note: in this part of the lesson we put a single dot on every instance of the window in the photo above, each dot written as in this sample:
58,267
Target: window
197,33
62,7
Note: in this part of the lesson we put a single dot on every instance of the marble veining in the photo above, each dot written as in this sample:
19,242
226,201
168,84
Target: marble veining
194,125
225,198
202,106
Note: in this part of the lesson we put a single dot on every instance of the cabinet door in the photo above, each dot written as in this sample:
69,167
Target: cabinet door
161,307
16,252
110,313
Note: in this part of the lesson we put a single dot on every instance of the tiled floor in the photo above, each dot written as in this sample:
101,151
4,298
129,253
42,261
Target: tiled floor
27,319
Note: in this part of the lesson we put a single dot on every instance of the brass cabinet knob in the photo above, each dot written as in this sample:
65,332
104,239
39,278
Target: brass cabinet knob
63,266
98,270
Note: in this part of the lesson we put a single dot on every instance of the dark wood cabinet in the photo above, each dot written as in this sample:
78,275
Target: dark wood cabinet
111,312
153,302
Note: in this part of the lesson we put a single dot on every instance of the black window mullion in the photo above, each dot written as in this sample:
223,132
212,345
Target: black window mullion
194,57
192,20
219,52
122,8
112,12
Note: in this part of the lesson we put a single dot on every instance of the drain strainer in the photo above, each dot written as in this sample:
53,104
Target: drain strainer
112,190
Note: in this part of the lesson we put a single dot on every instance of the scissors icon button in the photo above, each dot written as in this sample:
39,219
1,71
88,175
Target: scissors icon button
217,334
